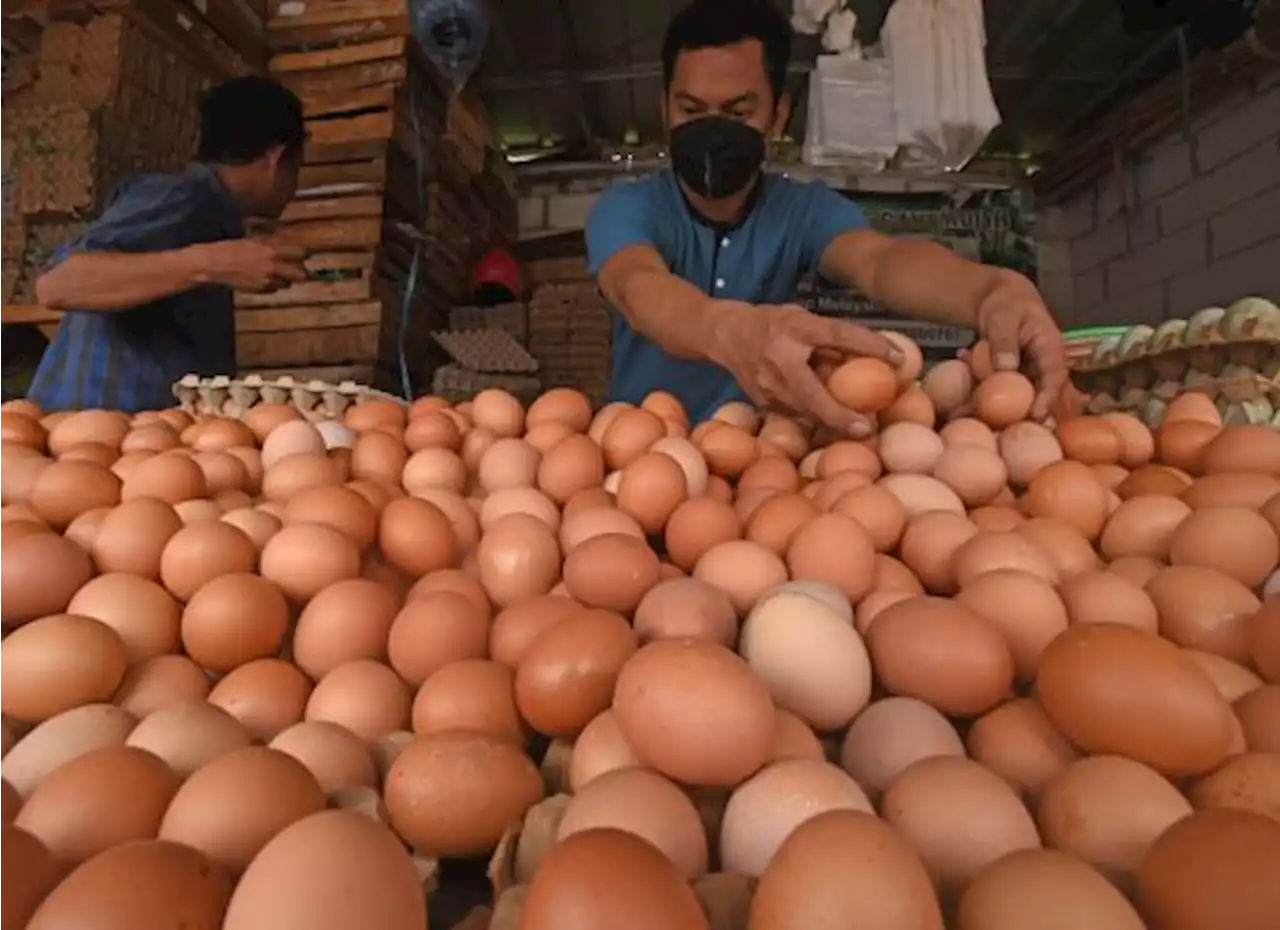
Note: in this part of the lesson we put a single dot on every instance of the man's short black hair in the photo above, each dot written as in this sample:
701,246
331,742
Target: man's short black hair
716,23
241,119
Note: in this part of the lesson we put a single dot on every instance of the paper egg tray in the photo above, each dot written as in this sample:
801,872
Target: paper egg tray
1232,355
225,396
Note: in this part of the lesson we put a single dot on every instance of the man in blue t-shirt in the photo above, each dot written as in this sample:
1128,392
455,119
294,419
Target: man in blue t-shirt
147,288
701,261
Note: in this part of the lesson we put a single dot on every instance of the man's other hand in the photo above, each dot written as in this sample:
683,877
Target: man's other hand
253,265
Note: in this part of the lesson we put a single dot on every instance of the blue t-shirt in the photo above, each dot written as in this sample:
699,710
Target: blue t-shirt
130,359
760,259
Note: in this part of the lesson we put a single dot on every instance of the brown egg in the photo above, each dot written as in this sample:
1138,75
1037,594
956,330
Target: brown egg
84,528
132,537
1137,444
776,518
1090,440
695,527
432,546
1107,597
294,474
1215,868
867,385
455,794
1113,689
1249,782
647,805
234,619
728,450
339,507
378,457
771,471
849,867
231,807
1023,607
1204,609
1062,544
1069,491
975,473
1003,399
1180,443
563,405
741,569
629,435
61,739
1263,634
612,572
106,797
434,630
305,558
266,695
347,620
567,675
1018,743
1231,680
942,653
477,695
1027,448
987,551
160,681
1245,448
150,883
1259,716
32,872
516,627
144,615
892,575
794,739
335,868
58,663
364,696
189,734
877,511
198,553
1231,489
686,607
1106,811
844,455
834,549
1150,480
929,544
768,807
694,712
921,494
1143,526
958,816
220,434
1018,890
64,490
171,478
596,521
518,557
913,406
1235,541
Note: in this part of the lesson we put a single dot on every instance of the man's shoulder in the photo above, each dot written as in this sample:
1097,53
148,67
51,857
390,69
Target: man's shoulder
648,190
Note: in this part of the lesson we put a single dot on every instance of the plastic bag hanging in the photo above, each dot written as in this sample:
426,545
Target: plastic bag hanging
452,33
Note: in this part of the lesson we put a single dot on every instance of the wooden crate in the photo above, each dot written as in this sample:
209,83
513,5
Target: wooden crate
383,188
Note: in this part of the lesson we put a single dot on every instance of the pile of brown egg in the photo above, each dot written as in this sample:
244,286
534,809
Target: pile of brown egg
976,672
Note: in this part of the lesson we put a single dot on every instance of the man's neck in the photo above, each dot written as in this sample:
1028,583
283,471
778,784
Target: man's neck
721,211
233,181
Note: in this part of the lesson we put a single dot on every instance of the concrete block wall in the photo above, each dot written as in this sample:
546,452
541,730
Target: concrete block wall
1193,221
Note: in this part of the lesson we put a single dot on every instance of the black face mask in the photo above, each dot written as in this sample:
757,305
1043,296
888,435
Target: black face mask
715,155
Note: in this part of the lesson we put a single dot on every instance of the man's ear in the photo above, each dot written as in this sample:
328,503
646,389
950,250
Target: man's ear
781,116
273,156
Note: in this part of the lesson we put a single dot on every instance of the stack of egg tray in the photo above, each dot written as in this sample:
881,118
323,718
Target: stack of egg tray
512,318
484,359
1231,354
225,396
570,334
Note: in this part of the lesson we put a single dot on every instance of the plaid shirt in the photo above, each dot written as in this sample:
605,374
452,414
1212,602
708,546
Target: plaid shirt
129,360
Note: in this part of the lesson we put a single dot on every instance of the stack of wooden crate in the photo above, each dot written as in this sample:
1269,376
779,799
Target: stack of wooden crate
392,200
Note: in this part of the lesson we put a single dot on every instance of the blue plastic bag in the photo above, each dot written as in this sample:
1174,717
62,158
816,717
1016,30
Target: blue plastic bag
452,33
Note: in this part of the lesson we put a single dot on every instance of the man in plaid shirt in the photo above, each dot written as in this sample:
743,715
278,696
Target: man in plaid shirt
146,290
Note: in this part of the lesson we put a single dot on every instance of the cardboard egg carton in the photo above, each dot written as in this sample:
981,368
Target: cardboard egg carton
488,351
1232,355
225,396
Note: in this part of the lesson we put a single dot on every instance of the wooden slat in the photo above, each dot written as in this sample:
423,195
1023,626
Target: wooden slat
352,77
372,172
311,293
367,127
326,58
339,261
185,31
294,319
28,313
309,347
328,208
343,151
329,12
290,37
331,374
347,101
334,235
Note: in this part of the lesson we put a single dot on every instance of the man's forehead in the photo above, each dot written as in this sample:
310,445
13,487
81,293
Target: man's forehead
722,72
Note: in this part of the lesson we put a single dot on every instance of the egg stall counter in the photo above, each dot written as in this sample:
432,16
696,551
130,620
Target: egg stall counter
298,655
